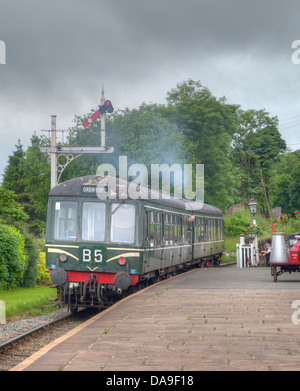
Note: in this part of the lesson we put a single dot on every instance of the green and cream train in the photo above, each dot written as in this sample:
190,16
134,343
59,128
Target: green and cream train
98,249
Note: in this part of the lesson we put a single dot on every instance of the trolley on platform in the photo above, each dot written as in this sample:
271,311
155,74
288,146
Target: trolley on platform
285,258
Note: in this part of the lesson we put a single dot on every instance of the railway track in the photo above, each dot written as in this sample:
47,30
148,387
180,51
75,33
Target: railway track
16,349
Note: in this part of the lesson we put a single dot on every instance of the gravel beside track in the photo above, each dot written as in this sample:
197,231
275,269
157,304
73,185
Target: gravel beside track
14,328
13,355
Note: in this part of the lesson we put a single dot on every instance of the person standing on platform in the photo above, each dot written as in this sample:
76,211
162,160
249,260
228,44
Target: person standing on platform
267,252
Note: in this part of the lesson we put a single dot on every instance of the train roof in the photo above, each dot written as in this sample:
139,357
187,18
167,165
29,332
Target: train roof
87,186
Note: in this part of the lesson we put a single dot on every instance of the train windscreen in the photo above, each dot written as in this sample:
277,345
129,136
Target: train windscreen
122,223
93,221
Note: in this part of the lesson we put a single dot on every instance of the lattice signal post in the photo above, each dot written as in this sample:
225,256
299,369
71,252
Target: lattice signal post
71,153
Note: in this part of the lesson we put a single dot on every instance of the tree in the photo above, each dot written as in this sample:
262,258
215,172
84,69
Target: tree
257,146
294,186
36,183
10,210
207,124
14,173
143,135
284,183
28,174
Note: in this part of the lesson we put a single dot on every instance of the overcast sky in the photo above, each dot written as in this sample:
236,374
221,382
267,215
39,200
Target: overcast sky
60,52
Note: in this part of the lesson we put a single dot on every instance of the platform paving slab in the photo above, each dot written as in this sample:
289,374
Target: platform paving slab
208,319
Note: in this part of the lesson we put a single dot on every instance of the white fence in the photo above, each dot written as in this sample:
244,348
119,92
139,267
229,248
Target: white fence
245,254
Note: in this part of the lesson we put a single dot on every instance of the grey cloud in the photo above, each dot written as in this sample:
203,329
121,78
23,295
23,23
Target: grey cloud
60,52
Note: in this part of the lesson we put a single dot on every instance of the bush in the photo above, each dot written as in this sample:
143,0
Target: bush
285,223
12,256
43,275
235,225
32,251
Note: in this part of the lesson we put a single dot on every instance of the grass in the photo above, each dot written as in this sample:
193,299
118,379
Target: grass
230,244
22,302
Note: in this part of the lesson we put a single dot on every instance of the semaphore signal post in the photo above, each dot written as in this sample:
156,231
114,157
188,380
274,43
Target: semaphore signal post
71,153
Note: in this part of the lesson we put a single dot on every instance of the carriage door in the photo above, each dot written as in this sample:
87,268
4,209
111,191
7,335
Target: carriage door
150,238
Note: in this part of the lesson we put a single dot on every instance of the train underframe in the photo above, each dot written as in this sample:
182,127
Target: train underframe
99,295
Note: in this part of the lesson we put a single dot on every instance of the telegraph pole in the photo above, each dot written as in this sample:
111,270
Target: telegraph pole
53,152
103,118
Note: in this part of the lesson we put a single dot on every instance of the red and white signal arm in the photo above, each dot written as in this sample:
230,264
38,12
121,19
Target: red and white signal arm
107,107
91,119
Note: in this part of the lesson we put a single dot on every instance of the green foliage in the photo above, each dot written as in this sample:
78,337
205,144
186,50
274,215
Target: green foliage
32,250
28,174
294,185
208,124
285,223
285,185
242,151
43,275
257,147
230,243
146,137
265,226
10,209
143,135
37,183
12,257
14,172
254,230
235,225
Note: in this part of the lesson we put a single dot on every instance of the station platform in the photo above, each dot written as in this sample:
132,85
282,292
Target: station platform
223,319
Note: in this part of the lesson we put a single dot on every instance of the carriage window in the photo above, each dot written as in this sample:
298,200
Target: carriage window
93,221
122,223
158,229
65,221
205,229
151,229
202,230
185,232
197,230
171,229
214,229
176,233
166,229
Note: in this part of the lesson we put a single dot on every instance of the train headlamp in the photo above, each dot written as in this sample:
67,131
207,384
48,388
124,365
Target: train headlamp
63,257
122,261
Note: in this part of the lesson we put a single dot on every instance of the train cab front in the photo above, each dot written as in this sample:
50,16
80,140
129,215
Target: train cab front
91,250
